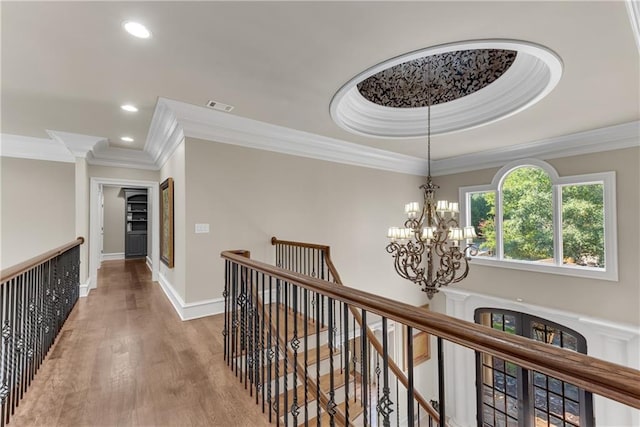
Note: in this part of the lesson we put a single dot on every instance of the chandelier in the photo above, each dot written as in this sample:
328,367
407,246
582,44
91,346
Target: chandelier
431,250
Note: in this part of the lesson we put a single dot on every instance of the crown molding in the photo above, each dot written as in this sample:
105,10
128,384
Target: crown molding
27,147
208,124
173,121
105,155
165,133
616,137
79,145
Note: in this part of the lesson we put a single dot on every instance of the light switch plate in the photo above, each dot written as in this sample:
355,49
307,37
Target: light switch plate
202,228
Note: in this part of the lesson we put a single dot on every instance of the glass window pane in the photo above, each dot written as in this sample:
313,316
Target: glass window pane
527,218
572,412
497,321
540,379
555,404
572,392
583,225
510,324
538,332
569,341
498,364
541,418
501,419
556,422
487,395
499,401
540,398
555,385
498,378
512,368
512,407
512,386
483,211
512,422
487,415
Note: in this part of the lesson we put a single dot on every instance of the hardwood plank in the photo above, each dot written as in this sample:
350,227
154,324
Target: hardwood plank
124,357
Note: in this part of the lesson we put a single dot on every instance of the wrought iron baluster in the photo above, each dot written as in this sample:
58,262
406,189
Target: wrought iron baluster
386,403
345,349
225,295
409,358
271,354
441,390
378,371
295,344
398,401
236,317
250,351
276,405
262,348
306,357
318,297
364,365
331,405
243,324
285,388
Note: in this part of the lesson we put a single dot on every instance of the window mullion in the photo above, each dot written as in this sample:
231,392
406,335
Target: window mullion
557,225
498,225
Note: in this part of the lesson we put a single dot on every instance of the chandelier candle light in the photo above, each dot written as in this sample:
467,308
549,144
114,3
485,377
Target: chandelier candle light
431,234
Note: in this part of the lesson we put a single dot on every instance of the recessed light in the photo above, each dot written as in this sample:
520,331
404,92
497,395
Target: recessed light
127,139
136,29
130,108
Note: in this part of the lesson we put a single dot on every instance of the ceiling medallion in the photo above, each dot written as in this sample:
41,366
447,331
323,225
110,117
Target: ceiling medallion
476,83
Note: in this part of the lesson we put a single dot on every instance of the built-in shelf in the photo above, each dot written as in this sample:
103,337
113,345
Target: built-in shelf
135,245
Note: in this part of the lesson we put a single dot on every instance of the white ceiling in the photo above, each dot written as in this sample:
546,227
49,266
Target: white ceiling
68,66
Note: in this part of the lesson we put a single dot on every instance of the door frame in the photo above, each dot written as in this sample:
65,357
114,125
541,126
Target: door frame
95,212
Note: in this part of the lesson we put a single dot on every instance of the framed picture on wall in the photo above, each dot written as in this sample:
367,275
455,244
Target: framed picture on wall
421,345
166,222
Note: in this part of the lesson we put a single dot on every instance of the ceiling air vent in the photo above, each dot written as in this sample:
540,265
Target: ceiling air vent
219,106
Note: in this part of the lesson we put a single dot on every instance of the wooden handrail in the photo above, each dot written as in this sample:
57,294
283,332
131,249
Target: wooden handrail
16,270
608,379
370,334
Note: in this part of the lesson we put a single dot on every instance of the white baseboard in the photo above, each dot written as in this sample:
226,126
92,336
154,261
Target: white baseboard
85,288
192,310
149,264
112,256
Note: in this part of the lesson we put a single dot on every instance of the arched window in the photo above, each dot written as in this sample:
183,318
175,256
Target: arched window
530,218
510,396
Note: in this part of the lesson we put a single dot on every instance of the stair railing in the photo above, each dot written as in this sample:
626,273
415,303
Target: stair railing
315,260
36,297
254,351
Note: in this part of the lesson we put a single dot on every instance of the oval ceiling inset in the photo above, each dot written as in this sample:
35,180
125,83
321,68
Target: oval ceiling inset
491,80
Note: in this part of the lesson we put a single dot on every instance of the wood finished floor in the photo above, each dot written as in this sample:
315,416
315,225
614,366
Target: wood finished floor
124,357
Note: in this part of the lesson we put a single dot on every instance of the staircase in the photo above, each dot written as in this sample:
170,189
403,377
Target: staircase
309,359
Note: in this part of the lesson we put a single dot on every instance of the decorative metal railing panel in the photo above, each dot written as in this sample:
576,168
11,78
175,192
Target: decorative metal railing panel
387,379
34,305
307,358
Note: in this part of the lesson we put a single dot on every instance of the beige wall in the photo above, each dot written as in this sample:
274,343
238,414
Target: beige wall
114,208
616,301
37,207
249,195
175,168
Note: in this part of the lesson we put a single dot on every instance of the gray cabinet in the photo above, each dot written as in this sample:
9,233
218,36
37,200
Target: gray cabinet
136,216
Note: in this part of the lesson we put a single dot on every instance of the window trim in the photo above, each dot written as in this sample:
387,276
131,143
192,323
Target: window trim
608,180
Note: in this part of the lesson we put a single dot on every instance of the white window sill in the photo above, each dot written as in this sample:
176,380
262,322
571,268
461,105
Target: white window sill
610,274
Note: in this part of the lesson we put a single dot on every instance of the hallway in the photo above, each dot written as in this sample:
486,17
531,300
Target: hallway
124,357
